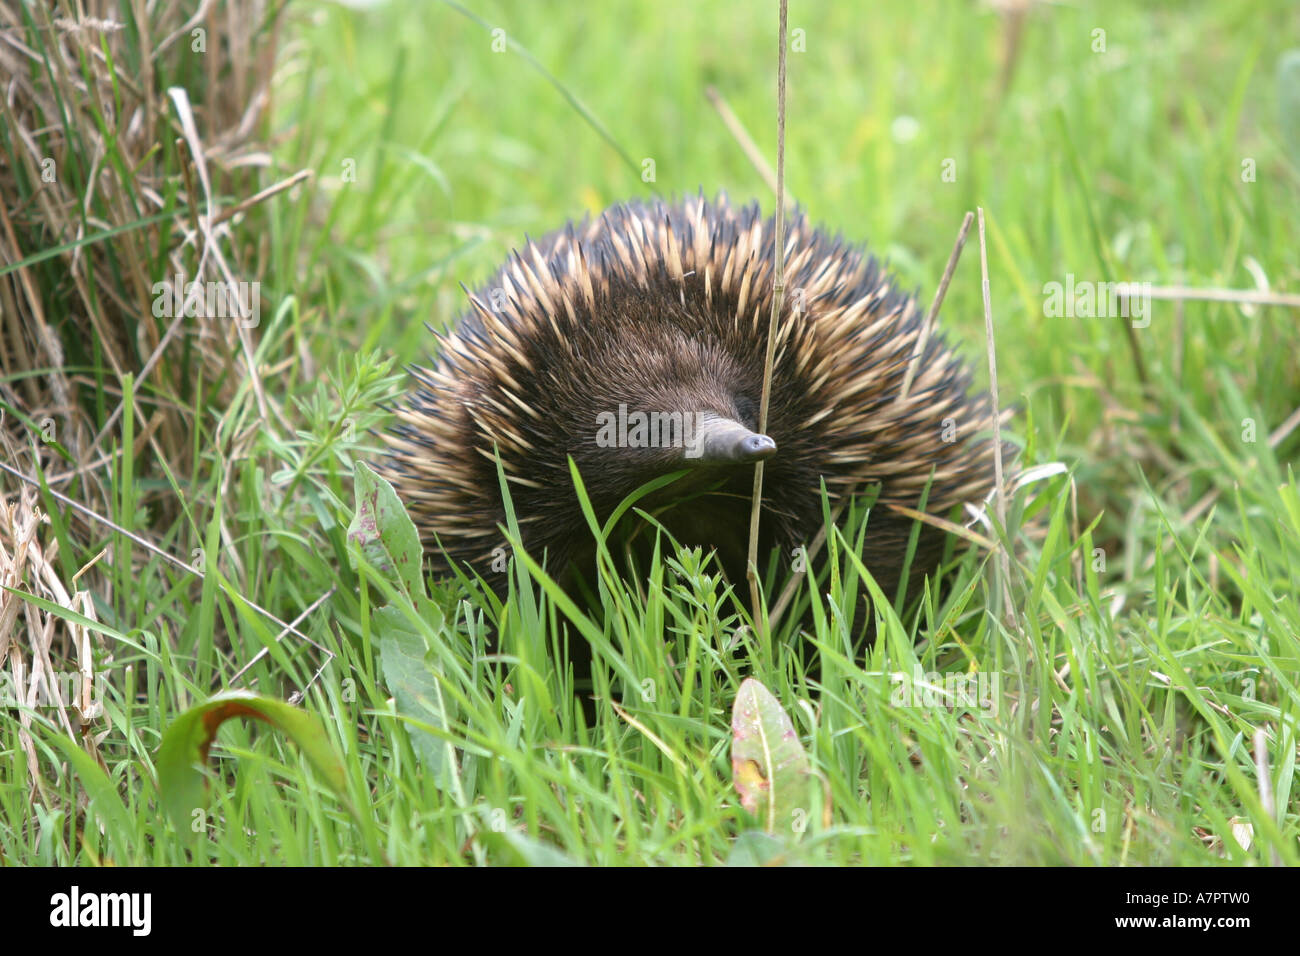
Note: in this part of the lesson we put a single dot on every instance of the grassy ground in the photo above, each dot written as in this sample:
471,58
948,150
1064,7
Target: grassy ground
1124,710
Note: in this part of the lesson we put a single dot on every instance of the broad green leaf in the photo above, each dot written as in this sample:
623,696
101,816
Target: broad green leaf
389,543
183,754
384,532
756,848
412,675
769,767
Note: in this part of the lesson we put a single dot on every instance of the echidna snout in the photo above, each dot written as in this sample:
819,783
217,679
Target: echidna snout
723,440
731,441
580,340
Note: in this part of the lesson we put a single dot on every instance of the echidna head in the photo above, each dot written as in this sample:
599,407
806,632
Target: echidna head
676,400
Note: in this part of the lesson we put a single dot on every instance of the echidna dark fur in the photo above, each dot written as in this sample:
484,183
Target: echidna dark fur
655,314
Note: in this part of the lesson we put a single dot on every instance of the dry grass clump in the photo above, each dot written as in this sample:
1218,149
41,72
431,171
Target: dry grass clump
129,155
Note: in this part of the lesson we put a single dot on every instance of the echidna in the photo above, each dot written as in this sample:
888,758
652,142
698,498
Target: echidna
635,343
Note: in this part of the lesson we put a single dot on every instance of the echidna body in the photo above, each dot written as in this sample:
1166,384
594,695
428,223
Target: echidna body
635,344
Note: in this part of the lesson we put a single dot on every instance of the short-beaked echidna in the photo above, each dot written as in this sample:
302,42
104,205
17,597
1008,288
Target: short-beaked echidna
635,344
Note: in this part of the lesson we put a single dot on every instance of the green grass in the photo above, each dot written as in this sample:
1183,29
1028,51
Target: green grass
1147,648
